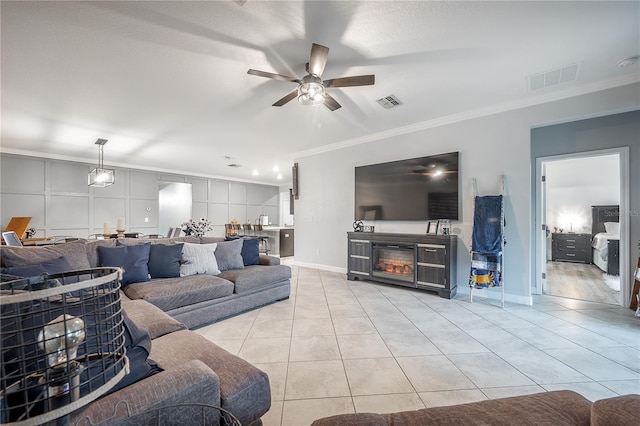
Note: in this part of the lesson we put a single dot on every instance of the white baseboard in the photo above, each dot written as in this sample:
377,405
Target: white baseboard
321,267
495,294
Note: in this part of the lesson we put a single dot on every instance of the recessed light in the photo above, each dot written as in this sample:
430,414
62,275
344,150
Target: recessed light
255,172
626,62
279,176
276,168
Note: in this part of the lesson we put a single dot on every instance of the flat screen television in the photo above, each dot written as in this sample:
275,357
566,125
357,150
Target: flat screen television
425,188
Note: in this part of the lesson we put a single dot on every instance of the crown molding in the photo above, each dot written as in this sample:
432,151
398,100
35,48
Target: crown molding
92,161
477,113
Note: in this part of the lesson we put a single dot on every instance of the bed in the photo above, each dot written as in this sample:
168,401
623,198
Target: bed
605,238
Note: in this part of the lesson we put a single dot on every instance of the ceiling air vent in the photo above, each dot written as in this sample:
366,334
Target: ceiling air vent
552,77
234,165
389,102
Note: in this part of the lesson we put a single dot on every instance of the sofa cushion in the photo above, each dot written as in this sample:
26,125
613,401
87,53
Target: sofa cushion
199,259
164,260
172,293
228,255
251,251
209,240
92,250
244,389
54,266
151,318
548,408
75,253
133,259
621,410
254,277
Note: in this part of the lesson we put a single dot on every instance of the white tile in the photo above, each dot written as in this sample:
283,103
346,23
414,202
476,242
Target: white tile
313,327
355,346
379,309
227,330
346,311
624,355
314,348
542,368
275,349
316,379
311,311
274,415
376,376
623,387
455,342
505,392
390,403
487,370
431,321
409,344
592,365
434,373
393,324
593,391
584,337
541,338
356,325
304,412
499,340
271,328
452,397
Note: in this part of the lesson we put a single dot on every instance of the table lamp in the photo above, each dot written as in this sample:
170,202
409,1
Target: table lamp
62,343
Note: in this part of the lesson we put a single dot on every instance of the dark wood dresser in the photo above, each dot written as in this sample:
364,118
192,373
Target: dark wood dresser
571,247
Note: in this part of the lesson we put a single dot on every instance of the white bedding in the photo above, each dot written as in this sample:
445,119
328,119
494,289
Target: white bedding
600,246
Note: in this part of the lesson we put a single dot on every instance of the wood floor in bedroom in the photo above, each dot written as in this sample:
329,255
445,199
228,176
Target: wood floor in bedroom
582,282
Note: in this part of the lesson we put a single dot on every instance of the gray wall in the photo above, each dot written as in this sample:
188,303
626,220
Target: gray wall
55,194
490,146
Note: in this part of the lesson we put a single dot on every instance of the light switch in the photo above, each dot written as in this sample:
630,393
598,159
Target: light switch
146,219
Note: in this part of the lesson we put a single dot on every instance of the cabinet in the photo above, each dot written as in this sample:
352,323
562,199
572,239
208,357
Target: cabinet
426,262
571,247
359,258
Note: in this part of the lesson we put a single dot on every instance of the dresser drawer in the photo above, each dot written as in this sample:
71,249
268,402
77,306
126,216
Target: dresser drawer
432,253
360,247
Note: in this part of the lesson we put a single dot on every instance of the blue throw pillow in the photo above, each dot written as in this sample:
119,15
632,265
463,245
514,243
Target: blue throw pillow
250,251
164,260
55,266
133,259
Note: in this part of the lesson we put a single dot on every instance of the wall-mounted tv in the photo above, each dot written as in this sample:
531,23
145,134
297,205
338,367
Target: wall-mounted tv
425,188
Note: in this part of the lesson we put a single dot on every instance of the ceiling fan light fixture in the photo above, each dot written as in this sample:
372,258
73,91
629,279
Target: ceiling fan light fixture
311,91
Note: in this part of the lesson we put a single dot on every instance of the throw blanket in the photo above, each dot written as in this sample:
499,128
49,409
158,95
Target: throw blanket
486,270
487,226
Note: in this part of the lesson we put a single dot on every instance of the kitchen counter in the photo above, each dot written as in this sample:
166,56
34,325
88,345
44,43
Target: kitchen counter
280,240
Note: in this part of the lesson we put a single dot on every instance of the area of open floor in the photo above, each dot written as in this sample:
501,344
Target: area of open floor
583,282
339,346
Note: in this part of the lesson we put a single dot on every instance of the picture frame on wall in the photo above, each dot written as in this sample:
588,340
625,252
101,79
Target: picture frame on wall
432,227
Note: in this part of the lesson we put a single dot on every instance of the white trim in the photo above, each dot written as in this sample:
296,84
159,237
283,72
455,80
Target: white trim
496,295
50,156
625,240
320,267
477,113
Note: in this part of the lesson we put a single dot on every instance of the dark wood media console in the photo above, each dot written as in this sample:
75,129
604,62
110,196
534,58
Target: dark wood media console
426,262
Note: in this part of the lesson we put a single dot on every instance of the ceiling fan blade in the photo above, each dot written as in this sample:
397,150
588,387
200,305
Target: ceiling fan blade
273,76
358,80
318,59
289,96
331,103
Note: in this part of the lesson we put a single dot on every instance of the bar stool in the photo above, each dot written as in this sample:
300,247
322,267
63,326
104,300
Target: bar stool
264,241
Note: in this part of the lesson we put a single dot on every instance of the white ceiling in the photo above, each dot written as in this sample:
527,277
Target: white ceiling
167,82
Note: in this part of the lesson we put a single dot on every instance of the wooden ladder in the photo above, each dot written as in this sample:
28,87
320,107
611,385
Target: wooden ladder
636,287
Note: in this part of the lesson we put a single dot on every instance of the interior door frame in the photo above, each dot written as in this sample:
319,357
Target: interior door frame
540,234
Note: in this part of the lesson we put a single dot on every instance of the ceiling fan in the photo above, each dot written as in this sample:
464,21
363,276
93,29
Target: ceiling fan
311,87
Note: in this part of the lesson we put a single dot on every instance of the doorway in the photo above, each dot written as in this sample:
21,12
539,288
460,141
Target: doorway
577,257
174,199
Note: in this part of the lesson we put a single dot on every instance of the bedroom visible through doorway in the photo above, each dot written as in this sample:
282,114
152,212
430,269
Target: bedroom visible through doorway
582,200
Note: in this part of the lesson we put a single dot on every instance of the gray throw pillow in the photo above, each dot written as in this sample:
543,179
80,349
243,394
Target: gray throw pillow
198,259
229,255
75,253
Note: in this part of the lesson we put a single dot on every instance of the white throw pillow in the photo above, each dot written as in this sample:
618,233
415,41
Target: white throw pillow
612,228
199,259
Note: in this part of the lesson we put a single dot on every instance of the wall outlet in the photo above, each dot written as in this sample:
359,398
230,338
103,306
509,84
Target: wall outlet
146,220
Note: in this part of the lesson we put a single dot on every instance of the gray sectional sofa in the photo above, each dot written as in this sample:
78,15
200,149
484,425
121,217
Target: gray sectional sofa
196,372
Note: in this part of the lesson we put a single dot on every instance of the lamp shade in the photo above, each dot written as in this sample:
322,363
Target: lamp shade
62,342
102,177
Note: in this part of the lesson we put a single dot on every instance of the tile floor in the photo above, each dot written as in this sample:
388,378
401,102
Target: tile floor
339,346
